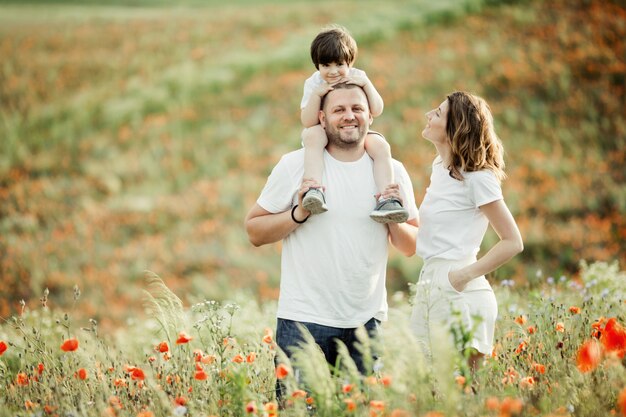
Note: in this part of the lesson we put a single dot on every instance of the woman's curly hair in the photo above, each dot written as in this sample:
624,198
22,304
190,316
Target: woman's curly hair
475,145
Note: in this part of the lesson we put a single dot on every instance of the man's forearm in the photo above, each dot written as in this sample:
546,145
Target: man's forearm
403,236
264,228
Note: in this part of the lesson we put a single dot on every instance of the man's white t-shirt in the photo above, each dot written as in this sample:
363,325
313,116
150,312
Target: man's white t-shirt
315,80
333,267
452,226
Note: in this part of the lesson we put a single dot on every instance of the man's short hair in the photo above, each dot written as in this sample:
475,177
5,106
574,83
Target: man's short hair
340,86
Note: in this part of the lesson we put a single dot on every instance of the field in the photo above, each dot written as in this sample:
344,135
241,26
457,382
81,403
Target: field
134,138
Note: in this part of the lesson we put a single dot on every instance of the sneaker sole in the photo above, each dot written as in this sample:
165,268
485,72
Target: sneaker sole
314,205
390,216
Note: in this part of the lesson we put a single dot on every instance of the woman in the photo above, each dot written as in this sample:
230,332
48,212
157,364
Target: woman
463,198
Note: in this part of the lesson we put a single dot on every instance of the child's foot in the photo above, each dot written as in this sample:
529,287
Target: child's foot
389,210
314,201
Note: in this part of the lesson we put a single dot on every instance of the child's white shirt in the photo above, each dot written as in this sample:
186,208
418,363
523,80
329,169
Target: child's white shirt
316,80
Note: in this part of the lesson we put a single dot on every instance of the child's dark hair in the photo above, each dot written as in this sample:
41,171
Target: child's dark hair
333,44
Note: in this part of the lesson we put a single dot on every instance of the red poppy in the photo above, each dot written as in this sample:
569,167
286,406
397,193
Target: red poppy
21,379
621,402
251,408
162,347
3,347
588,356
574,310
346,388
614,337
69,345
350,404
136,373
81,373
560,327
539,368
299,394
238,359
180,400
251,357
200,375
40,368
282,371
377,405
521,320
183,337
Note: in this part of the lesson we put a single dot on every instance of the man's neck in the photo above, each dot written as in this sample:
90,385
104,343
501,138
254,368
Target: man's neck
348,154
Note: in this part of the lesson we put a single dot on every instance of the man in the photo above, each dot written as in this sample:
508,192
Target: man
333,264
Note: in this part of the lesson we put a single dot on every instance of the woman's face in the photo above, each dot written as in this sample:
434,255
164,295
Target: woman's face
435,130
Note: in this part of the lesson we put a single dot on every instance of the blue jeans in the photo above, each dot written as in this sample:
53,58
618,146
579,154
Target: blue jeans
289,336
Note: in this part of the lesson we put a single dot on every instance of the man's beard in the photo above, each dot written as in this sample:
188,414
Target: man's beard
348,141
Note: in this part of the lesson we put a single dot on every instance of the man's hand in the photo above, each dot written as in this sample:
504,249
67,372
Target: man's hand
392,191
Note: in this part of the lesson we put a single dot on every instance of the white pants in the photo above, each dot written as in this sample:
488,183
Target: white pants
438,306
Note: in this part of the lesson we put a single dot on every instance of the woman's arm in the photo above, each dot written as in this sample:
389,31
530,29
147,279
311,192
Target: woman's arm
510,244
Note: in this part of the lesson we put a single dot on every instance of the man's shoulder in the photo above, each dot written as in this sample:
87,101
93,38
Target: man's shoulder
293,157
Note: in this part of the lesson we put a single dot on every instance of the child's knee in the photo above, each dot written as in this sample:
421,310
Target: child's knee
376,145
314,137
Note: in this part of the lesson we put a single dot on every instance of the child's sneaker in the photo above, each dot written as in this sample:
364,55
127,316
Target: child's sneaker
389,210
314,201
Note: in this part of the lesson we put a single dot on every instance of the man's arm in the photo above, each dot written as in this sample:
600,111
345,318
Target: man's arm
264,227
403,236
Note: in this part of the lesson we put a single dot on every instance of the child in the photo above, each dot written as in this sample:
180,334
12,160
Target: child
333,52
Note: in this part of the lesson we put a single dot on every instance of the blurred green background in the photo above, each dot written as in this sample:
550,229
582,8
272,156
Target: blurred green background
135,135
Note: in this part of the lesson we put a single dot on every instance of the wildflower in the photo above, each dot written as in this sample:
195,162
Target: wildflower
346,388
3,347
527,382
588,356
460,380
574,310
492,403
398,412
145,413
510,406
152,359
251,408
371,380
181,400
49,409
238,359
377,405
197,355
21,379
267,338
69,345
81,374
531,329
386,380
521,347
119,382
621,402
521,320
434,414
29,405
271,408
509,376
560,327
183,338
298,394
539,368
350,404
207,359
597,327
309,400
40,368
135,373
251,357
201,375
614,337
282,371
162,347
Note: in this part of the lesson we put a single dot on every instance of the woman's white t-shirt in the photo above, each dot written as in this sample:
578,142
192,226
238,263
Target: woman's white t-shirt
315,80
333,267
452,226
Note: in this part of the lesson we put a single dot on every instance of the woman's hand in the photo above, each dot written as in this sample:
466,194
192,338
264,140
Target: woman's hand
457,280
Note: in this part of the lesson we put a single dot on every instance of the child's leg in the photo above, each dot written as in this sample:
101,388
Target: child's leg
314,140
388,210
379,150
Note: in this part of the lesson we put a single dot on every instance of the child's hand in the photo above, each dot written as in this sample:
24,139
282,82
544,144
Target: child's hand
357,80
323,89
392,191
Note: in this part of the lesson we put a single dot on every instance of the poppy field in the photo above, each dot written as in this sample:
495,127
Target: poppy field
135,136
